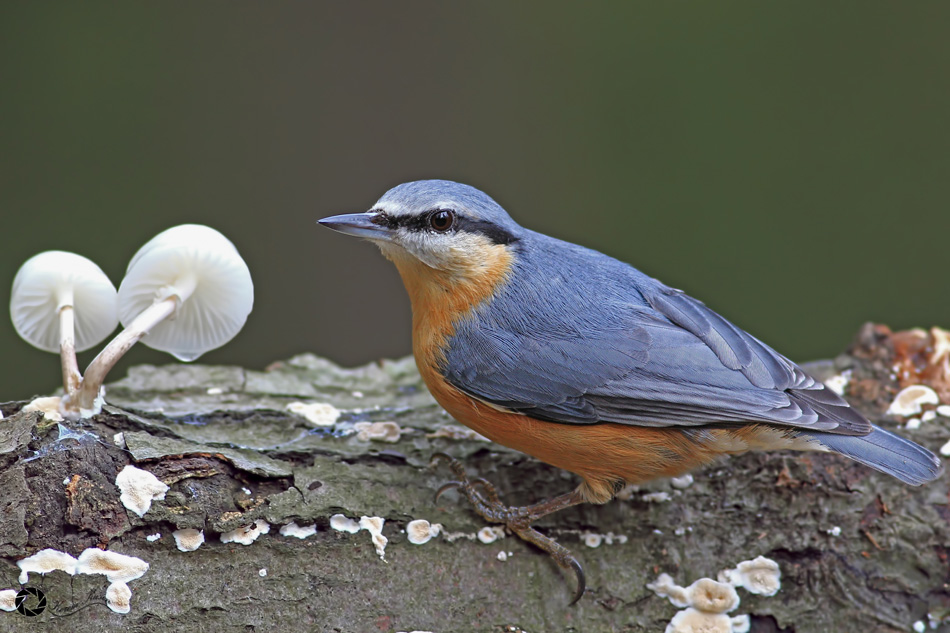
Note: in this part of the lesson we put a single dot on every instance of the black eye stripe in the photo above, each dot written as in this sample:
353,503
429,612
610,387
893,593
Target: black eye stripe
422,222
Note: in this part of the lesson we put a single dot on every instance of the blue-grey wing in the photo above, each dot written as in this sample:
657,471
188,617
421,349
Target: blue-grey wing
651,357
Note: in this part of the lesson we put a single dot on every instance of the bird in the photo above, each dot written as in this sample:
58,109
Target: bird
586,363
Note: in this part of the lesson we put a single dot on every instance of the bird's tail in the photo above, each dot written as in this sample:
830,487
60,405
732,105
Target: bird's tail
886,452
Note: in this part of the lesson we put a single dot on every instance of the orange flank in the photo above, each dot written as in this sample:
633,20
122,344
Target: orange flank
605,455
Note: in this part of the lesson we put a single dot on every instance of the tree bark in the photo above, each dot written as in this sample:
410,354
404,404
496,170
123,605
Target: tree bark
858,550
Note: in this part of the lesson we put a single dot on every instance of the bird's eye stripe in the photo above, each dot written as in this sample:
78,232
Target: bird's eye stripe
423,222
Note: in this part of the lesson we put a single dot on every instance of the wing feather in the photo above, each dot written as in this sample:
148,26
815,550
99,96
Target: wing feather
617,346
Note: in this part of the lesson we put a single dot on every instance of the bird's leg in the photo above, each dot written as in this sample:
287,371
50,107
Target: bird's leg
485,500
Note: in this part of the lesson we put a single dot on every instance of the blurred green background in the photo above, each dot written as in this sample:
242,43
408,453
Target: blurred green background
787,163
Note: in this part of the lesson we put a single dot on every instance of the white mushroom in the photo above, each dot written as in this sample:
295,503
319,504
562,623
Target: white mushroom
186,292
119,597
139,487
114,566
8,599
908,402
188,539
62,302
45,561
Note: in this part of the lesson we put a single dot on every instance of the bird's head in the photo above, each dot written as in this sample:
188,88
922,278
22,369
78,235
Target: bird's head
437,229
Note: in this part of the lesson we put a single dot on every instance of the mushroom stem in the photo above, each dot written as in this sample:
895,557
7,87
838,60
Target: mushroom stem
67,350
110,355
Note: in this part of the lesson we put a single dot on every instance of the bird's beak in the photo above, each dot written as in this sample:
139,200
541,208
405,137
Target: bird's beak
358,225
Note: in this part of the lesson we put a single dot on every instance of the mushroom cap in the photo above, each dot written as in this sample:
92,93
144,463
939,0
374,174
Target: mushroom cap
50,280
206,318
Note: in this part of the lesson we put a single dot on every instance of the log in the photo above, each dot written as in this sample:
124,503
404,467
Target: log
858,551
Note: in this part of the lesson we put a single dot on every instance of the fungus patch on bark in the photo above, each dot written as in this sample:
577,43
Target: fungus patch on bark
246,535
139,488
45,561
188,539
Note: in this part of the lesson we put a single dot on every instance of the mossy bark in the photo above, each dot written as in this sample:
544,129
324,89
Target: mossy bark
858,551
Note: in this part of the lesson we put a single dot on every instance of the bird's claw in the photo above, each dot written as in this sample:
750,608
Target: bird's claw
487,504
451,485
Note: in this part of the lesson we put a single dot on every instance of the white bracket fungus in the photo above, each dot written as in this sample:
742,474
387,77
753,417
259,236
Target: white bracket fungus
421,531
316,413
706,603
656,497
49,406
374,525
8,599
188,539
45,561
119,597
297,531
839,382
456,432
681,483
490,533
592,540
760,575
692,620
377,431
139,488
341,523
247,534
908,402
114,566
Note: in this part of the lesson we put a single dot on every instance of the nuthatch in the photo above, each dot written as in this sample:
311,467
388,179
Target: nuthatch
588,364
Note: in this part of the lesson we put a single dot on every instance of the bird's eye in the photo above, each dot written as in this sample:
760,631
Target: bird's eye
442,220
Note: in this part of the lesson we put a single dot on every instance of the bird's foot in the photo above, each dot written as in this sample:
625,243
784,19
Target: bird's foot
485,500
